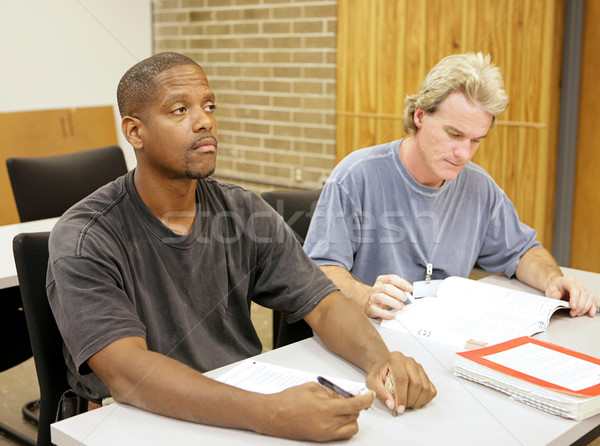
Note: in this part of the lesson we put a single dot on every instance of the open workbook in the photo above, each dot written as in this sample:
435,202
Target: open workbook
546,376
468,314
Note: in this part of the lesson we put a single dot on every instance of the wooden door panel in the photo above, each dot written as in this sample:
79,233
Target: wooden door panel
378,68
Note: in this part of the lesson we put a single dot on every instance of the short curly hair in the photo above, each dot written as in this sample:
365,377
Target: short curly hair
472,74
137,88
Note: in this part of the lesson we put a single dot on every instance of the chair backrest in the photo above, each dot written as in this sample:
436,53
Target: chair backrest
46,187
31,259
13,329
295,206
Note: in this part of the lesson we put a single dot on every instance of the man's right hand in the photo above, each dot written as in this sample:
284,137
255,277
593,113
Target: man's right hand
411,386
387,294
310,412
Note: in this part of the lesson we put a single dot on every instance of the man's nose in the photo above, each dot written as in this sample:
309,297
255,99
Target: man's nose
463,150
202,120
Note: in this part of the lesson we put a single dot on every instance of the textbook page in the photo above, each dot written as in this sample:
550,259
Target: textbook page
261,377
468,314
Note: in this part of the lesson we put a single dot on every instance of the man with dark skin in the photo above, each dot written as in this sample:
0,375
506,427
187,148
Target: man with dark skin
172,128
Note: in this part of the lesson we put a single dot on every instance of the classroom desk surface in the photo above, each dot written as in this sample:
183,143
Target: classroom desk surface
463,413
8,271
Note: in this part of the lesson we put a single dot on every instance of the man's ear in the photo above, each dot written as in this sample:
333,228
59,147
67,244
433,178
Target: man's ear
418,117
131,128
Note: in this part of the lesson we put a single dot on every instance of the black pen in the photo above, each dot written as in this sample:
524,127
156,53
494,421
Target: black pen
337,389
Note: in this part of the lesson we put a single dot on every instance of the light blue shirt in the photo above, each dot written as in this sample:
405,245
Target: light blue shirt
373,218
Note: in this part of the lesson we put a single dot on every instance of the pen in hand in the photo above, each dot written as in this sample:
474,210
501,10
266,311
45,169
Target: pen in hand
389,384
337,389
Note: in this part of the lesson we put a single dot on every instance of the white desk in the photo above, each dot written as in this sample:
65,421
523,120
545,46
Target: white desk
463,413
8,271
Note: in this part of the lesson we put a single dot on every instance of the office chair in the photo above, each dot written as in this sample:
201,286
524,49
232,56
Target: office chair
31,259
296,207
46,187
16,348
43,188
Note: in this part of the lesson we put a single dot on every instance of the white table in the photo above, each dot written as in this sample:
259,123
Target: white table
463,413
8,271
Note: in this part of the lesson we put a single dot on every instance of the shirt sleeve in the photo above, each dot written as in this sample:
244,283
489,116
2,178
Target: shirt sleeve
506,238
286,279
90,308
334,233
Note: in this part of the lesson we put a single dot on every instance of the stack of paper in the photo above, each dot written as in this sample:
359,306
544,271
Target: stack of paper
546,376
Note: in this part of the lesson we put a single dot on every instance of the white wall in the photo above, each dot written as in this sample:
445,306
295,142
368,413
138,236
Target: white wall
70,53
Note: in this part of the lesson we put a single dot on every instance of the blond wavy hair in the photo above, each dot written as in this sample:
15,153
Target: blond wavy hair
472,74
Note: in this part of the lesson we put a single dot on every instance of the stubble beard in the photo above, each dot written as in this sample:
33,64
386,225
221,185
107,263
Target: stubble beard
194,172
198,174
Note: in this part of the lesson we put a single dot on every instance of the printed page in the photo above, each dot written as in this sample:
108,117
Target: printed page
468,314
266,378
549,365
473,291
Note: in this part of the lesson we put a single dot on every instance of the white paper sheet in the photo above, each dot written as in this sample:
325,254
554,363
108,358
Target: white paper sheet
549,365
261,377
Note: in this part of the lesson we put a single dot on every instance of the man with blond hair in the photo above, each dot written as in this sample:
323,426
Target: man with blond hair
399,212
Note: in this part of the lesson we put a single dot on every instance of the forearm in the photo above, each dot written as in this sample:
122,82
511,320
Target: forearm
537,268
350,287
165,386
347,331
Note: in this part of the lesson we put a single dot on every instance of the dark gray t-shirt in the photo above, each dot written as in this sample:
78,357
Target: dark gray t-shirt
116,271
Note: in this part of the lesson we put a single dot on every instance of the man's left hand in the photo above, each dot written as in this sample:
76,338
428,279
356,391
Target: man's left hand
581,300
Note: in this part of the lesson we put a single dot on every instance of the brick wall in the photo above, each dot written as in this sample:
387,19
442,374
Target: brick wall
272,66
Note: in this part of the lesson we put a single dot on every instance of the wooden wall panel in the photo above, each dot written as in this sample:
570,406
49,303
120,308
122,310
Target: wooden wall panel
46,133
408,37
585,247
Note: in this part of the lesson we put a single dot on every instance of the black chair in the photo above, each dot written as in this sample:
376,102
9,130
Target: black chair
46,187
31,259
297,208
15,349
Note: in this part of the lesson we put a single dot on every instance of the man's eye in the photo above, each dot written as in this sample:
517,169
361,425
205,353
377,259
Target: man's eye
211,107
179,111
